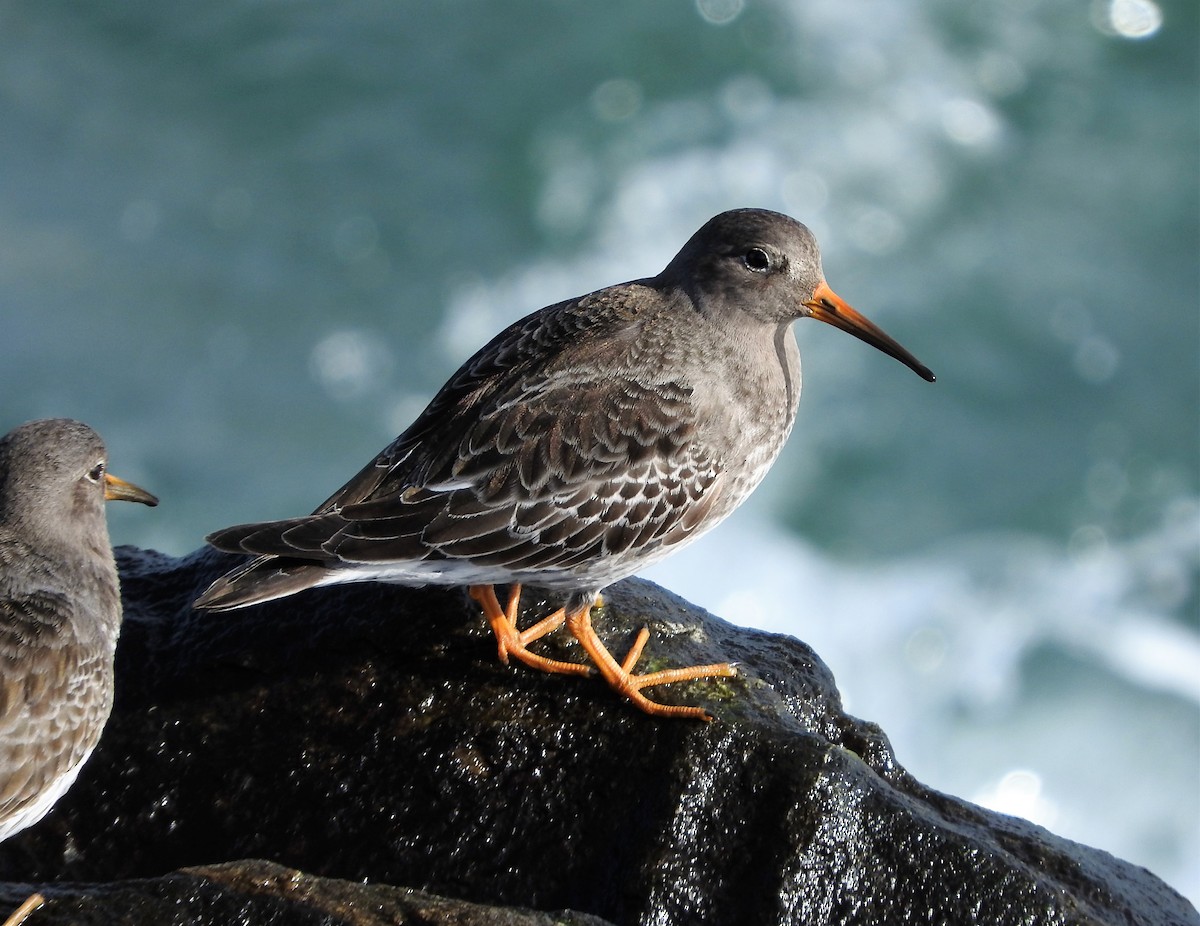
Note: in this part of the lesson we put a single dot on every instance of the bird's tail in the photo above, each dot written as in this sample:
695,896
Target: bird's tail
263,579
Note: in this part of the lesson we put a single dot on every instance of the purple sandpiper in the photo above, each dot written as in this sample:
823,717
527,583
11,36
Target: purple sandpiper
581,444
60,612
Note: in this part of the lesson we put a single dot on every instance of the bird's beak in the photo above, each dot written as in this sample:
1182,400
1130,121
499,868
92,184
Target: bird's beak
827,306
119,490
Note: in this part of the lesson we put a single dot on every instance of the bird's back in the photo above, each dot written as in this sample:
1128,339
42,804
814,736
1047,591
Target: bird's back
582,443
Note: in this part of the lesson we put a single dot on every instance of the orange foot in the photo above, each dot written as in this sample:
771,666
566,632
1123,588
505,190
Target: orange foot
22,912
512,642
619,676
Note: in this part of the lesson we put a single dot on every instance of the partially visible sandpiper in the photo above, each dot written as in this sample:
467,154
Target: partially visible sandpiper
60,612
583,443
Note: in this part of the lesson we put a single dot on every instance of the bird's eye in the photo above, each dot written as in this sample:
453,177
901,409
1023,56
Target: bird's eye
96,473
758,260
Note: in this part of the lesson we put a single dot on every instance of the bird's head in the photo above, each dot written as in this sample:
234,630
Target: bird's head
54,480
767,265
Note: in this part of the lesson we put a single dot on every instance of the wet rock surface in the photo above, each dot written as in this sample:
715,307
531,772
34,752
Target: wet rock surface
263,892
368,734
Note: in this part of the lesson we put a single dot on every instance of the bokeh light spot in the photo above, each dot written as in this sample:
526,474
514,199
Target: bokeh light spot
350,363
617,100
720,12
1128,19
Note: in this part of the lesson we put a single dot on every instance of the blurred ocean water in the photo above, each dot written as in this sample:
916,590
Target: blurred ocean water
248,241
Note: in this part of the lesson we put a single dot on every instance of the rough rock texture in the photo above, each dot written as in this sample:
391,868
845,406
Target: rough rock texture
265,893
368,734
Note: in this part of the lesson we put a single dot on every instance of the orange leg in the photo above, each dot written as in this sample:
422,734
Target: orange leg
619,676
512,642
22,912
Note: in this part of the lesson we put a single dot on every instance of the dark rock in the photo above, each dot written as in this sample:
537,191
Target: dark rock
368,733
266,893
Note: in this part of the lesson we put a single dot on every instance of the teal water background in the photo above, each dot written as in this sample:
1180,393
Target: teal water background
247,241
